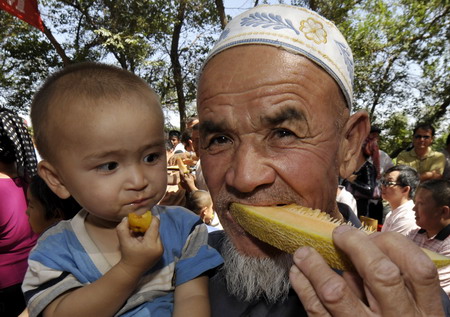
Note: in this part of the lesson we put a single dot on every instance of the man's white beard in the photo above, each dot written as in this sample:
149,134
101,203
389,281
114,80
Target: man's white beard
249,278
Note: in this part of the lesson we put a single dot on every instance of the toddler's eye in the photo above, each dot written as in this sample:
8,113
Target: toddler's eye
107,167
151,158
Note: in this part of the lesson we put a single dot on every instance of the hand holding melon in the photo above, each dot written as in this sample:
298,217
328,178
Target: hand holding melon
290,227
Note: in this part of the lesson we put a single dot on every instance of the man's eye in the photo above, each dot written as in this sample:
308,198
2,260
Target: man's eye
282,133
107,167
151,158
217,143
220,140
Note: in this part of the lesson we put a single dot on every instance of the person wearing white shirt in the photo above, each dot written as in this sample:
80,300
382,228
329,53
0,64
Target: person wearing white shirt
398,187
345,197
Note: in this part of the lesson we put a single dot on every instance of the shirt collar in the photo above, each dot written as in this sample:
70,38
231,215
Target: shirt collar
442,235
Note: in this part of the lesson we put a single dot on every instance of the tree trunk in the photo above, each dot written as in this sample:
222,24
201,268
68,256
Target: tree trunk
176,65
221,10
66,60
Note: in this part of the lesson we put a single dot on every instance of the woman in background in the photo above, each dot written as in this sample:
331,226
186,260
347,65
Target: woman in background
17,166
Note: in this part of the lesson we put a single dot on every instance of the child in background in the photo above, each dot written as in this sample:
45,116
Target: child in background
200,202
99,130
45,209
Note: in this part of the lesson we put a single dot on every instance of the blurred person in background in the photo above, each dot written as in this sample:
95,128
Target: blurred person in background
398,187
428,163
432,208
17,166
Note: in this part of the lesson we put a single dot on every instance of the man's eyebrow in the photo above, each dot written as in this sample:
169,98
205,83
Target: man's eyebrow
207,127
285,114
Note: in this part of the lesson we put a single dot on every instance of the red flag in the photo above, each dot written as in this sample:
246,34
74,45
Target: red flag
26,10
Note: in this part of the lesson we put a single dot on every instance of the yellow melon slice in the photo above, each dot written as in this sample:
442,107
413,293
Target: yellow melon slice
182,167
138,223
290,227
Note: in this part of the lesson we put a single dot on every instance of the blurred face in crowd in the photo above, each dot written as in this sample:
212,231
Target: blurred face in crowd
175,140
36,215
391,190
428,213
422,139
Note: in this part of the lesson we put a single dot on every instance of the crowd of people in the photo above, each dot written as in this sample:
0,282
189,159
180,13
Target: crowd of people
275,126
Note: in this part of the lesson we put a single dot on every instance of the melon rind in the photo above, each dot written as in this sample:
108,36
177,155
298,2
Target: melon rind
290,227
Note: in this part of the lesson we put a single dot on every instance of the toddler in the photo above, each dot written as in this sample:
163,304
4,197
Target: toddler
99,130
200,202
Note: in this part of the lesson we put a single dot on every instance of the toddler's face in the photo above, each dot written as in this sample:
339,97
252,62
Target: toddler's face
36,215
112,157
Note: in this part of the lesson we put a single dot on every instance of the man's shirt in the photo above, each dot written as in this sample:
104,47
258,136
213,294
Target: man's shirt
433,160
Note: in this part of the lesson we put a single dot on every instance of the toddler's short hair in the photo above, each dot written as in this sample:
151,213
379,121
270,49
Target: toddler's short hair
198,199
86,81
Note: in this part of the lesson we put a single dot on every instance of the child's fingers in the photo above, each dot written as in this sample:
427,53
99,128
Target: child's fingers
152,232
123,231
122,228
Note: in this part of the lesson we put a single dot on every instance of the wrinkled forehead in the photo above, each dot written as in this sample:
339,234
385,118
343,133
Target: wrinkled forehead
260,79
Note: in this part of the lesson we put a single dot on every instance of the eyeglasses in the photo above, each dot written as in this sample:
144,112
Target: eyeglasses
389,183
418,136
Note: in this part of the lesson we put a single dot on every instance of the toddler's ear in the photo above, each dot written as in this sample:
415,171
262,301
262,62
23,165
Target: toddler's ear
50,175
203,212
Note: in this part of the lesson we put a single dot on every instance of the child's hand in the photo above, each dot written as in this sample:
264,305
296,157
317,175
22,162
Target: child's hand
187,182
139,253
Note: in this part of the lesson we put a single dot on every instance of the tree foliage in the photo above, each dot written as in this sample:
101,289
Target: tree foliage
164,42
401,51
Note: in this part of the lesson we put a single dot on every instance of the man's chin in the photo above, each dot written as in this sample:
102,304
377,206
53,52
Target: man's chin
252,274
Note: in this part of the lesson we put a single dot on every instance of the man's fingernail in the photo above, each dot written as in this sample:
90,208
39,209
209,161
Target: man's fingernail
294,269
301,253
343,228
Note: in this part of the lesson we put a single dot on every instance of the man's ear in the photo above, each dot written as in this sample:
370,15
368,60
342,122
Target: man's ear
406,189
50,175
355,132
446,212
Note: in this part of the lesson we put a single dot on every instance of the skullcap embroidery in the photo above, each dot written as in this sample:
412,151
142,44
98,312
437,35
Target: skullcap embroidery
297,30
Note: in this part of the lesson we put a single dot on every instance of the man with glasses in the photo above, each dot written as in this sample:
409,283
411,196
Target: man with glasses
398,187
428,163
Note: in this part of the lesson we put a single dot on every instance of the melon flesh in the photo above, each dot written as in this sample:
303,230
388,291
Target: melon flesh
139,223
290,227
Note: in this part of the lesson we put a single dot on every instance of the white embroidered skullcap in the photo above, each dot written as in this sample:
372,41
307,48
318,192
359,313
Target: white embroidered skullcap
297,30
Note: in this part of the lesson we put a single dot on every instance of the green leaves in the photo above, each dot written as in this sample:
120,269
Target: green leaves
401,49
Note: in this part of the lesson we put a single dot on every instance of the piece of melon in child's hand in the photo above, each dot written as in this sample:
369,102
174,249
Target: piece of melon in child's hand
290,227
139,223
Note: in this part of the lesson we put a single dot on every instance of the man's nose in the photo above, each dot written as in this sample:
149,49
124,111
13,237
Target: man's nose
250,169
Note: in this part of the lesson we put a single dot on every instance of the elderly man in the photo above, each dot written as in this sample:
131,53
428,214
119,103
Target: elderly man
274,99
